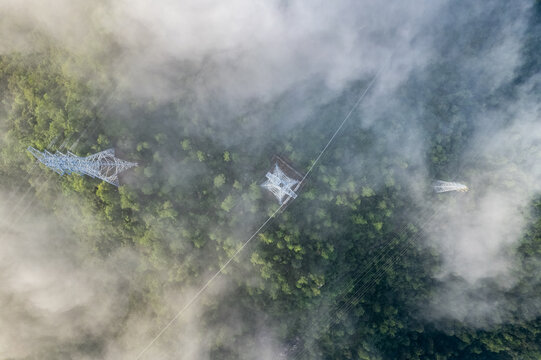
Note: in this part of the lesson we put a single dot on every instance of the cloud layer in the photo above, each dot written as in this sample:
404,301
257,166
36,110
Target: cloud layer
242,53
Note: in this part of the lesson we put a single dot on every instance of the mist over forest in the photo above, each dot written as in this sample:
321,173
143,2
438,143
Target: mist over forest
368,262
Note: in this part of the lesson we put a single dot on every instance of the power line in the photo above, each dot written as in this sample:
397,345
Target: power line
341,125
365,271
359,293
196,296
207,284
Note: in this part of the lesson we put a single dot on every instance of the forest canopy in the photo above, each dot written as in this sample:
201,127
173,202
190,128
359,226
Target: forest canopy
367,262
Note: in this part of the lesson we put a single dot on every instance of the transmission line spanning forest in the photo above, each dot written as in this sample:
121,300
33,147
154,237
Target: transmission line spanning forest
347,271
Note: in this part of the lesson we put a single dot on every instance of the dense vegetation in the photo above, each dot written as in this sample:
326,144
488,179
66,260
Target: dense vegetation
317,281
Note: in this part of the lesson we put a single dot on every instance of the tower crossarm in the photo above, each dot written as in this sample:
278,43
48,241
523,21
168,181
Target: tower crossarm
440,186
284,186
280,184
103,165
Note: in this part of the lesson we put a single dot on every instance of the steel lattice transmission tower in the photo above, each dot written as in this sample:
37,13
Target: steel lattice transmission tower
103,165
445,186
280,184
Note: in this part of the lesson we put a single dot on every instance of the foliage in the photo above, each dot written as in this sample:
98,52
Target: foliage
183,208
